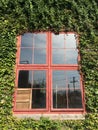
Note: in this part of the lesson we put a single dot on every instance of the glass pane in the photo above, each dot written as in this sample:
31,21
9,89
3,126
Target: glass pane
39,56
38,98
59,99
70,40
71,56
62,56
62,81
58,79
58,56
58,41
39,78
25,79
26,56
73,78
40,40
27,40
75,100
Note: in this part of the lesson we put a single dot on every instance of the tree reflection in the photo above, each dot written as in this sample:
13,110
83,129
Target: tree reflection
39,95
74,99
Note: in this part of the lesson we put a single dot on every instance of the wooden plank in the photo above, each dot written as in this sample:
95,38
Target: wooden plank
23,99
22,105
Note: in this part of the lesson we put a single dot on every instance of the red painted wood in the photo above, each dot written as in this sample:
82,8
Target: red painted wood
48,67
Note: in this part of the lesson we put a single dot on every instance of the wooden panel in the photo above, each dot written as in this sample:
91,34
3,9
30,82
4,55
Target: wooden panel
23,91
23,99
22,105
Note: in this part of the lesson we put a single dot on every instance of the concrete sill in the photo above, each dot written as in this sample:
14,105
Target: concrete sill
52,116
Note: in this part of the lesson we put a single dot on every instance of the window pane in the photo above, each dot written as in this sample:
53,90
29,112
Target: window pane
27,40
70,40
58,56
59,79
75,100
59,98
58,41
38,98
59,89
66,83
33,40
40,40
71,56
39,56
25,79
73,79
64,49
26,56
39,79
64,56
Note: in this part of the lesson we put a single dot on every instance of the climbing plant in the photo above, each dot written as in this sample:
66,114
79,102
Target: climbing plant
19,16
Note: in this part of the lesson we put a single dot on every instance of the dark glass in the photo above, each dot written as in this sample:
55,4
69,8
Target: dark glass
39,98
74,99
58,79
59,98
70,40
40,40
26,56
27,40
71,56
25,79
39,56
58,40
39,79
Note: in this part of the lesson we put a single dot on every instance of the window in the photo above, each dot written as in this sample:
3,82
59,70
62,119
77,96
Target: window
47,77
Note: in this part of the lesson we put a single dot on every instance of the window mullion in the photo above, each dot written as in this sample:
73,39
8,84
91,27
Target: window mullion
49,71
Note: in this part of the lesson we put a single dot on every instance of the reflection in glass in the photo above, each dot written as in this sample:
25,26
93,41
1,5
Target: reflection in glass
59,79
58,56
33,48
64,56
27,40
59,89
39,89
39,78
75,100
70,40
38,98
33,40
64,49
39,56
59,98
66,79
66,83
58,41
71,56
26,56
40,40
25,79
73,78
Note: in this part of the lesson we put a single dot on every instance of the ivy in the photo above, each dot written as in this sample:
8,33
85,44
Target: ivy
19,16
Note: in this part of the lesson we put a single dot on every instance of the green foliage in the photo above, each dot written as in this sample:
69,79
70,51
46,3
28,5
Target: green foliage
19,16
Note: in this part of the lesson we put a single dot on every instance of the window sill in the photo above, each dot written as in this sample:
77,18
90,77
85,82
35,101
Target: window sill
52,116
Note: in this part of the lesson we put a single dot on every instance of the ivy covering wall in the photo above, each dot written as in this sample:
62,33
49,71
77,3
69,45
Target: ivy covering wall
19,16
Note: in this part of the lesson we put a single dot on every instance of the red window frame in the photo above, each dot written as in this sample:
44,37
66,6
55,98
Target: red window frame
49,67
